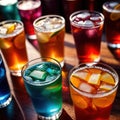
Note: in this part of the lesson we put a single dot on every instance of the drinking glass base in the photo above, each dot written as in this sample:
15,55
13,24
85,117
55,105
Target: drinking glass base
89,60
55,117
6,103
15,72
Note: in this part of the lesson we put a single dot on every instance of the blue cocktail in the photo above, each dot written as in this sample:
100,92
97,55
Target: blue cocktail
42,78
5,95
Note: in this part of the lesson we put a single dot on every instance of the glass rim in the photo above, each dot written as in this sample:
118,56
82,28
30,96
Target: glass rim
41,58
95,95
45,16
22,1
14,33
88,11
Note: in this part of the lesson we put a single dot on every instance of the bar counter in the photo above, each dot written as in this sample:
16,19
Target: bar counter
21,107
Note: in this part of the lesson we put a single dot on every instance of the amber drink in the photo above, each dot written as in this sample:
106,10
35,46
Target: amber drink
12,44
93,89
86,27
50,31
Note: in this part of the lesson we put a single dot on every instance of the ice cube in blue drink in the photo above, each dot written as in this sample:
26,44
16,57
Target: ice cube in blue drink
42,67
51,71
38,75
50,77
28,78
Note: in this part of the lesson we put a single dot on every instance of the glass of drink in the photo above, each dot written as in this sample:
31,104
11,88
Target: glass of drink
42,78
93,89
86,27
29,10
111,11
12,44
50,31
8,10
5,95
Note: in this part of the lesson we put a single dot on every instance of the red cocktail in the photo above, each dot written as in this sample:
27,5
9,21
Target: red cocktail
87,29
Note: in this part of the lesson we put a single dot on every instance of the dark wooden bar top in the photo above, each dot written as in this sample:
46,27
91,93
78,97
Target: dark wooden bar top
21,107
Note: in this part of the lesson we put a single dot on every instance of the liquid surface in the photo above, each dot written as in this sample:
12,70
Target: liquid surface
42,73
87,19
93,80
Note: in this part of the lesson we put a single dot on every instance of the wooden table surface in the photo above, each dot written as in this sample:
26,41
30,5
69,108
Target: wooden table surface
21,107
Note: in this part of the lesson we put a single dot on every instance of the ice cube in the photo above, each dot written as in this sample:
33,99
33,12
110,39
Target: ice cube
18,26
53,71
82,75
42,67
94,79
27,72
88,23
95,18
57,26
28,78
3,30
80,23
83,16
38,75
113,4
50,78
37,81
49,26
105,86
87,88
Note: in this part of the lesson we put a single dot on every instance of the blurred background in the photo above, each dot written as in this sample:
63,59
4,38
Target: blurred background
8,9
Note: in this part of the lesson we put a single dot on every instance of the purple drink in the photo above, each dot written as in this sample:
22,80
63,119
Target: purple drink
29,11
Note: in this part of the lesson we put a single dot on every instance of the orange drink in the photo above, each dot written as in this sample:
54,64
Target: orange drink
12,44
93,89
50,31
